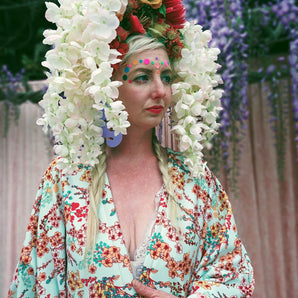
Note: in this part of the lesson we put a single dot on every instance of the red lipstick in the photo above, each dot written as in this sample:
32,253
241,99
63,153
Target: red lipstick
155,109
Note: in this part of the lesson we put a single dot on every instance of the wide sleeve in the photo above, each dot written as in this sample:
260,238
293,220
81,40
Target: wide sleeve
223,268
41,267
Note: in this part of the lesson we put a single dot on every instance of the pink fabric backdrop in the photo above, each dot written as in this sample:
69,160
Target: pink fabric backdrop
267,207
24,156
265,210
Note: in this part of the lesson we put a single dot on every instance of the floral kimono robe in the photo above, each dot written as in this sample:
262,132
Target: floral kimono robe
207,260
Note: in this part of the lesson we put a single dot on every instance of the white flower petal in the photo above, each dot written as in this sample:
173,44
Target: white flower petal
53,12
70,123
58,61
61,150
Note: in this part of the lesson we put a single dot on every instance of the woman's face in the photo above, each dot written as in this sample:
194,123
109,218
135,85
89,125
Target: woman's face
146,90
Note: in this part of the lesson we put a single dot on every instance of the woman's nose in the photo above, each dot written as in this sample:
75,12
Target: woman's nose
159,88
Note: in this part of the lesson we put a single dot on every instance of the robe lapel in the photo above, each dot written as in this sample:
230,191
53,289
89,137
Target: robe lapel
111,233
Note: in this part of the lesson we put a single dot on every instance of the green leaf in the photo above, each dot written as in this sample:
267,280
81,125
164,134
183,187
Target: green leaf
277,32
162,10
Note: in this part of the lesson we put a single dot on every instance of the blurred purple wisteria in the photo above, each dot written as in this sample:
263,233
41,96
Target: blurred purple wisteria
293,60
225,20
15,90
281,17
248,32
287,12
9,88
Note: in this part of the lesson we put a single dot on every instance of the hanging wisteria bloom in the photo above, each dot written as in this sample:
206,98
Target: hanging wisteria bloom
197,104
224,19
241,29
281,16
80,86
286,13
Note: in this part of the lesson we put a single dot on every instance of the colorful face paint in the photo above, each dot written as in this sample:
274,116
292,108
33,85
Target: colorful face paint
146,62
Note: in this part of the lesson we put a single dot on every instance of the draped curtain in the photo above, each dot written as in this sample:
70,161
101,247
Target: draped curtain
265,209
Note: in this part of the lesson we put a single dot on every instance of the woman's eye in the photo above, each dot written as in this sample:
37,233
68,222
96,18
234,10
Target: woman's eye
141,78
167,79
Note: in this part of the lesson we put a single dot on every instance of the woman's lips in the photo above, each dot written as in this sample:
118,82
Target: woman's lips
155,109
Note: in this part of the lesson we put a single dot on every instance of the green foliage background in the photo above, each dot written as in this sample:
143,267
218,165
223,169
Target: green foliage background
22,23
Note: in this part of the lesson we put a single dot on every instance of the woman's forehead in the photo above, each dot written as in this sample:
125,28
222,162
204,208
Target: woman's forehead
157,58
149,57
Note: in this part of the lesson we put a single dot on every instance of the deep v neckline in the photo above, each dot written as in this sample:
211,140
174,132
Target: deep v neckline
149,229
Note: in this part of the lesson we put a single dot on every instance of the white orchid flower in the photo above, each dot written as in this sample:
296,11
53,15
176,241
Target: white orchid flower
53,13
98,49
185,143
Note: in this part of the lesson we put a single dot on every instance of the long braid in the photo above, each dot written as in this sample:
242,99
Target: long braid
167,179
95,194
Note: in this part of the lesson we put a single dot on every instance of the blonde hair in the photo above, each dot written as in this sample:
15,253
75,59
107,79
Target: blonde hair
140,43
136,44
168,182
95,195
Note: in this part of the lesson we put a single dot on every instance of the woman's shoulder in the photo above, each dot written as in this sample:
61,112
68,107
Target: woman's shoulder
206,181
176,161
176,158
56,171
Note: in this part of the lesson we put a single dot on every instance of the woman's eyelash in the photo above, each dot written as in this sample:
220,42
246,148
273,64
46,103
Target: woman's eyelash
167,78
143,77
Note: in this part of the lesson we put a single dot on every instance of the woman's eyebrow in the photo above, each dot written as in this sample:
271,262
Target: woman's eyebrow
167,70
149,70
142,69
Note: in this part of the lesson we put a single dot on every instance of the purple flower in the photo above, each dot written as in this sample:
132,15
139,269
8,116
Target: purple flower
225,20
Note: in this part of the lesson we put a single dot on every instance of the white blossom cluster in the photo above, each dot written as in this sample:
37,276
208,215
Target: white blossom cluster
80,88
197,103
79,79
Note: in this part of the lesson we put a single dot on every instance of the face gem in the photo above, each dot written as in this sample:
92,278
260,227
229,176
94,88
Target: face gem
146,62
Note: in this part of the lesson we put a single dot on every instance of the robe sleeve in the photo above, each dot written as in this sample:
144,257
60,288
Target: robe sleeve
41,267
223,268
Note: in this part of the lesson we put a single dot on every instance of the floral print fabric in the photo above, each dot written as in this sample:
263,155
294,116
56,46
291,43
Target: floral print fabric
207,259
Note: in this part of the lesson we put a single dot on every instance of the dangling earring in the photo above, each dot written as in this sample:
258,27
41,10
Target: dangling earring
111,140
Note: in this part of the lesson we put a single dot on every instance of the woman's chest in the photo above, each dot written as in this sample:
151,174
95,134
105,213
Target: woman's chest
170,256
179,237
135,203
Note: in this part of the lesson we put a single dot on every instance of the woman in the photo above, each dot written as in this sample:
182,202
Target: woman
138,222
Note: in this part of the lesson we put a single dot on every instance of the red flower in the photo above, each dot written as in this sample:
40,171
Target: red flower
121,47
175,13
136,26
74,206
174,46
122,33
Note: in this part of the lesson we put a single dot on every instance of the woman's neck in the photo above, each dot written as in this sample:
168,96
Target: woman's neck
134,146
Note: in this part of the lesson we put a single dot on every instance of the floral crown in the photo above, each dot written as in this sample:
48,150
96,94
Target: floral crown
81,105
156,18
